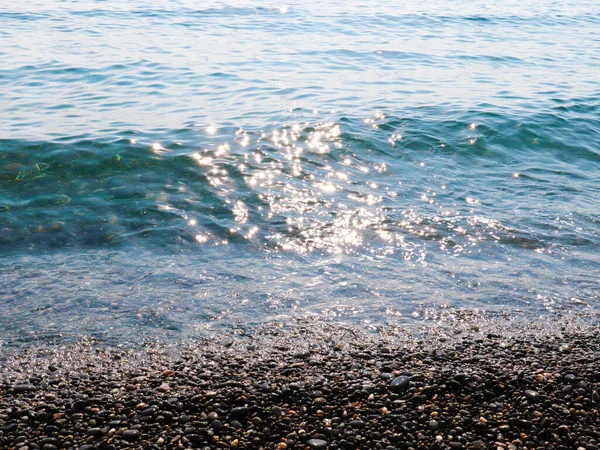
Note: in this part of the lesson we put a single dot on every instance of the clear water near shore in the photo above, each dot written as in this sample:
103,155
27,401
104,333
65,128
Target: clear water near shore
173,169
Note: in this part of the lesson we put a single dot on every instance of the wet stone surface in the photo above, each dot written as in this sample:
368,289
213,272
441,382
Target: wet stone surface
269,398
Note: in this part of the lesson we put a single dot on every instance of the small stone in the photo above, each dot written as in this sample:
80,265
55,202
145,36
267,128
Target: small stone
96,432
164,387
131,435
51,429
10,428
433,424
148,412
239,411
478,445
356,424
193,438
400,383
532,395
317,443
257,421
23,388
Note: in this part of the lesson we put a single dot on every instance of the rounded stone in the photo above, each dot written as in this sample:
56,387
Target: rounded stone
23,388
356,424
131,435
49,429
96,432
10,428
478,445
532,395
239,411
317,443
400,383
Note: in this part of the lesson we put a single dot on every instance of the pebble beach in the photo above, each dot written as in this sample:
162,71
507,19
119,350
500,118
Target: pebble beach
310,224
506,386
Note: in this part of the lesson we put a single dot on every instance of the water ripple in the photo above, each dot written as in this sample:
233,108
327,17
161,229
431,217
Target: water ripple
363,160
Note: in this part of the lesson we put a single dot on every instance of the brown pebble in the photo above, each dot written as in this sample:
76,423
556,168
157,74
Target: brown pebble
164,387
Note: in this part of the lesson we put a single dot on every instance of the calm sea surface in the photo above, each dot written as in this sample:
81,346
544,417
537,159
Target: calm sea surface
169,168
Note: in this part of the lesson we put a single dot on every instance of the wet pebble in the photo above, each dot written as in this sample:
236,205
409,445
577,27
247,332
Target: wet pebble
352,399
131,435
23,388
400,383
532,395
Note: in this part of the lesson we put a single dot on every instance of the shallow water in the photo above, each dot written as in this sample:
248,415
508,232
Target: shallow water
171,169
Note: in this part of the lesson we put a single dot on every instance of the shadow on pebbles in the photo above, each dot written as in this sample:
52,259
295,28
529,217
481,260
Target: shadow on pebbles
312,386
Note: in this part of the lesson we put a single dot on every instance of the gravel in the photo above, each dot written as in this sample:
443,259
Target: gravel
480,388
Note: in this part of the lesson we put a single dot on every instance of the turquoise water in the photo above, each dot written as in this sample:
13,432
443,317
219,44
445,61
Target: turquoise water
171,168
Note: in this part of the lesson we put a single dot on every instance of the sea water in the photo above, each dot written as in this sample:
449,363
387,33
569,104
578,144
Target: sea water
170,168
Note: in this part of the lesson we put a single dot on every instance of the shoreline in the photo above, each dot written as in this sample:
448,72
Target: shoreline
499,384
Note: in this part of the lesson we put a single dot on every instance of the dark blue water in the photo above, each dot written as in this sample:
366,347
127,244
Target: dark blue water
170,168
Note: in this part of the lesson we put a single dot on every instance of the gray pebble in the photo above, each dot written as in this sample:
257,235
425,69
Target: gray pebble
23,388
